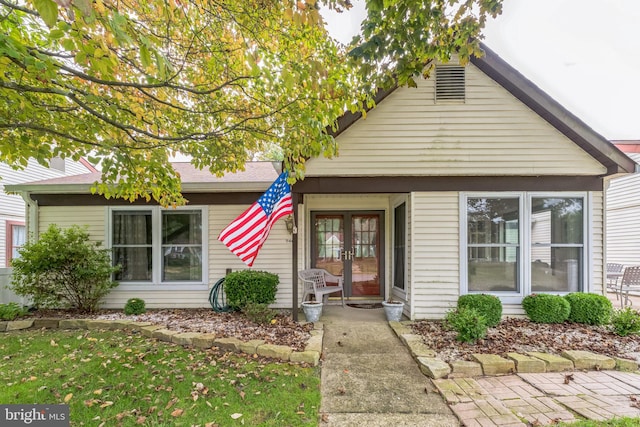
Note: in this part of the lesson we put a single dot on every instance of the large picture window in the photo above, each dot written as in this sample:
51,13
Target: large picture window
521,243
155,245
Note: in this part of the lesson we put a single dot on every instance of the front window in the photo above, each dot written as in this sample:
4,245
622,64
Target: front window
493,244
518,244
557,244
155,245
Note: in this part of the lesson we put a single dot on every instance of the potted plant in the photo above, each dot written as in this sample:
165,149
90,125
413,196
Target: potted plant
312,310
393,309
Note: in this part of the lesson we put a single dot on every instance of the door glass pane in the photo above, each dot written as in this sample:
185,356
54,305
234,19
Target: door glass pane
365,243
557,243
493,239
329,243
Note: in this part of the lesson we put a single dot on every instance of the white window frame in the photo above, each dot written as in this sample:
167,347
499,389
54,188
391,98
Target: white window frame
156,251
524,272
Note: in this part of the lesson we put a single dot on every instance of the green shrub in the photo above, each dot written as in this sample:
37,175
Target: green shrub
468,323
11,311
63,269
546,308
488,306
625,322
259,313
134,306
590,309
248,286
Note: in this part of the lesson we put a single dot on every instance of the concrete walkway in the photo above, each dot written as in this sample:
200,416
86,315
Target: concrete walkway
369,378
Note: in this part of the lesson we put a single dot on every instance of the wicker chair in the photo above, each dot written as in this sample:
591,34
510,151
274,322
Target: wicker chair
315,283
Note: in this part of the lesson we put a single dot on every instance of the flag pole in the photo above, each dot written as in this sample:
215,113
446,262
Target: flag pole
294,257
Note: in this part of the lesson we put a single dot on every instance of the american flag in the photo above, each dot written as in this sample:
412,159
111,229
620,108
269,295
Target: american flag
246,234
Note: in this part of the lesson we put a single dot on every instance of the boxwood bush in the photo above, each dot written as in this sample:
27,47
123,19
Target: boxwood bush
134,306
249,286
546,308
590,309
468,323
489,306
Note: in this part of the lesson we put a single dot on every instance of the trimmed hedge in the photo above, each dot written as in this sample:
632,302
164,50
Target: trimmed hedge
489,306
590,309
546,308
249,286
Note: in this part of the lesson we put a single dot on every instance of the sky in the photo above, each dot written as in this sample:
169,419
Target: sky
583,53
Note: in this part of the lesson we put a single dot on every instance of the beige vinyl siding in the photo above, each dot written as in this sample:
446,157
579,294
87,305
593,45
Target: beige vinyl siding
623,212
491,133
274,257
435,249
597,244
94,217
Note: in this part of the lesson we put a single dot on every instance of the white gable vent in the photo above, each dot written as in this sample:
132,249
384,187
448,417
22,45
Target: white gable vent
450,83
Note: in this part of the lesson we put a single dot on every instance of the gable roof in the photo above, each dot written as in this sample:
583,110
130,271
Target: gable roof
597,146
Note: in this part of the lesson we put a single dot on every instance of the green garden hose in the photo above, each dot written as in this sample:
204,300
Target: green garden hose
217,299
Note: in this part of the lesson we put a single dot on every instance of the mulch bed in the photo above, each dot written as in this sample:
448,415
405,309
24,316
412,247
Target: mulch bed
283,331
521,335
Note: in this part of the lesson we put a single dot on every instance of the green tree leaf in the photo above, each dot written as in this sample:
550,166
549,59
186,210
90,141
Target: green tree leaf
48,11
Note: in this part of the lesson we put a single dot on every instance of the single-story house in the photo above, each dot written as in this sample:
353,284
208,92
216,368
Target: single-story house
476,181
623,210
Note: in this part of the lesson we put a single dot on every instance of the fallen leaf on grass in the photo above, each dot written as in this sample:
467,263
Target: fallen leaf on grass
236,416
141,420
68,397
177,413
106,404
53,343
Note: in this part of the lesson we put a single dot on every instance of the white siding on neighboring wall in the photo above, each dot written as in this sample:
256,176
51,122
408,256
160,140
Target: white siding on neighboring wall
491,133
435,271
623,213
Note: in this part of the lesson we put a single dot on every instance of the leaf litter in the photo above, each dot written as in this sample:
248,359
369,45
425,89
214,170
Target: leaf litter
521,336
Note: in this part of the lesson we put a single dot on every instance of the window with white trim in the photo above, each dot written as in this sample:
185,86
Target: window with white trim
516,244
155,245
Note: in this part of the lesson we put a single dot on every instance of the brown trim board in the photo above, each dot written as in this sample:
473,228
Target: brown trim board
97,200
404,184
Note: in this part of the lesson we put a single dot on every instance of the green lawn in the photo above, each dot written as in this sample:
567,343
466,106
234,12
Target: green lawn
123,378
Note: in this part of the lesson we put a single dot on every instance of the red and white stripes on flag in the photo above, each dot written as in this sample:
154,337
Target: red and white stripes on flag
246,234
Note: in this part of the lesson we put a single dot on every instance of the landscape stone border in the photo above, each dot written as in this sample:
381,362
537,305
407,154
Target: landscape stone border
310,355
491,364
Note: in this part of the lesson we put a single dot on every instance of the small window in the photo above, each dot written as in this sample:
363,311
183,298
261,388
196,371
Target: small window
16,238
450,83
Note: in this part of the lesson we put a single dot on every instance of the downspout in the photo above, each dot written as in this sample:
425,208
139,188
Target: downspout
32,218
294,259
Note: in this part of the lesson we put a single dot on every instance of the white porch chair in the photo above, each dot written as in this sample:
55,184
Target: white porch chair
314,281
614,274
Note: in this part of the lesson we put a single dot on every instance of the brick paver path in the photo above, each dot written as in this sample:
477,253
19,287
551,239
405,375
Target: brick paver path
542,399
